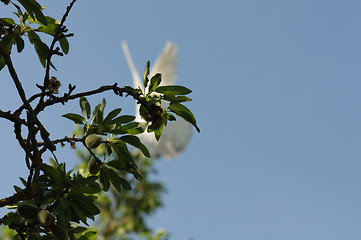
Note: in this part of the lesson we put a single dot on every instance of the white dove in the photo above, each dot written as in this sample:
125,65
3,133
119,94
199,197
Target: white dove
176,135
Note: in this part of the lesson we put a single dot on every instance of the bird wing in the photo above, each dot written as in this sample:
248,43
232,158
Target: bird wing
166,64
136,79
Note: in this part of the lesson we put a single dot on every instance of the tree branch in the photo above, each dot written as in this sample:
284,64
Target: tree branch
43,132
12,117
117,90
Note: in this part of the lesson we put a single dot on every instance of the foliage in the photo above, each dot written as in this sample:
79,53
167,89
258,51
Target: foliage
59,203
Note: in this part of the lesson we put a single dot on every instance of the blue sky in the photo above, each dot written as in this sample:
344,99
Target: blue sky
276,93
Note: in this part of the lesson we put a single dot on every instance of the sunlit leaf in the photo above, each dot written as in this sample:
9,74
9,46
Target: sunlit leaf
173,90
85,107
146,73
155,81
9,21
34,8
173,98
49,29
122,119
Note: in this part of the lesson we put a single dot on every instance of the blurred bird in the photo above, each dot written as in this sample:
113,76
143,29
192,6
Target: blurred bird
176,135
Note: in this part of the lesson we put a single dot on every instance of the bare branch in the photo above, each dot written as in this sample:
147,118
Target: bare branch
117,90
63,140
43,132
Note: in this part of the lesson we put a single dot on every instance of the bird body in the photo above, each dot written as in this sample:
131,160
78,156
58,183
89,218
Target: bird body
176,135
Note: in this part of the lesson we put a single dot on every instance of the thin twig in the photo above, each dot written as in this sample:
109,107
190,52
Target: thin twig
62,140
58,33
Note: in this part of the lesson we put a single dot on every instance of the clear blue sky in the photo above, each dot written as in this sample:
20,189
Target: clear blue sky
276,89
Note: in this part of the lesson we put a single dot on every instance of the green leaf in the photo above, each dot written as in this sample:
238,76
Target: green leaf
49,20
17,189
146,73
41,49
173,98
98,113
77,212
34,7
136,173
122,119
155,81
173,90
91,235
79,229
134,127
104,178
134,141
53,163
33,36
53,174
10,218
125,184
183,112
19,43
51,64
170,117
111,115
78,119
115,179
85,107
42,61
95,113
118,164
48,29
102,106
157,129
7,21
64,44
23,181
2,62
7,41
123,152
91,188
109,149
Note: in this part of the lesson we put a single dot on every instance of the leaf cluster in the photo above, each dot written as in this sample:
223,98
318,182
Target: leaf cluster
29,22
154,95
69,197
